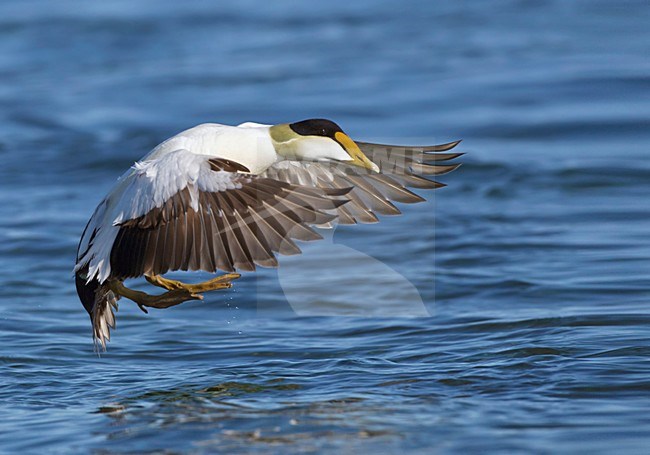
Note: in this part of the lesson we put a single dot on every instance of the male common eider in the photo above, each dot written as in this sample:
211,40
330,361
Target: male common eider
218,197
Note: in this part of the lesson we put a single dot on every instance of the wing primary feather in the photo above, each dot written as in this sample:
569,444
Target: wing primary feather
258,192
223,236
337,191
178,238
196,234
288,227
247,199
117,252
150,251
401,148
130,248
272,231
235,204
416,181
345,217
222,258
207,252
260,251
430,169
301,213
173,242
440,156
240,256
441,147
139,245
292,223
358,210
161,250
374,197
312,202
256,248
394,191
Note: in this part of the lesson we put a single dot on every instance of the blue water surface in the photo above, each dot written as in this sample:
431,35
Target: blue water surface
508,314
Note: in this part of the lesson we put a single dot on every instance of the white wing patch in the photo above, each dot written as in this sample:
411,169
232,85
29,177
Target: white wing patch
148,185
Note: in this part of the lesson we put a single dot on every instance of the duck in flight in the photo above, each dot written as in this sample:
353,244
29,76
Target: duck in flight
218,197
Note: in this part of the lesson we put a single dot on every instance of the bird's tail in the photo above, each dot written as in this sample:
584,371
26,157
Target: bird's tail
100,303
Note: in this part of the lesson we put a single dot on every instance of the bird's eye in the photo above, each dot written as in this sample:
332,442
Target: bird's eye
323,132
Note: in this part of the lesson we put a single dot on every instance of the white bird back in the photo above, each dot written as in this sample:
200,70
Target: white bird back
248,144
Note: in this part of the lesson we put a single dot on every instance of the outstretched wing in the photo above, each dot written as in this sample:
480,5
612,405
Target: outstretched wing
372,193
194,212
